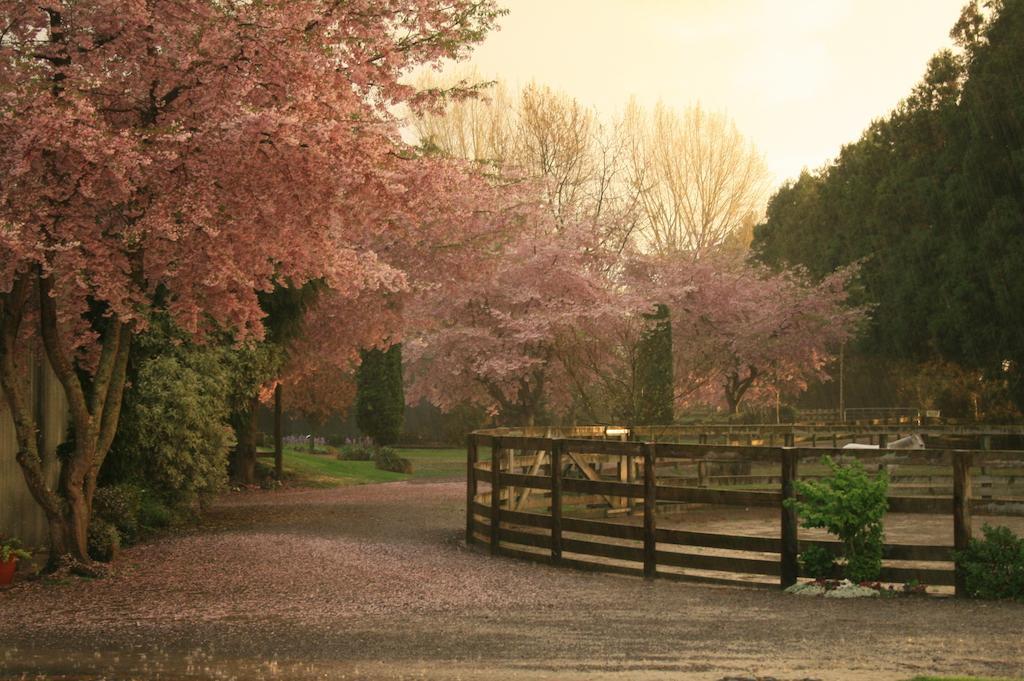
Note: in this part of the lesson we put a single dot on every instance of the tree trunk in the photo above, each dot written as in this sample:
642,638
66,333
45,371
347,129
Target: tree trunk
278,435
243,459
94,415
736,388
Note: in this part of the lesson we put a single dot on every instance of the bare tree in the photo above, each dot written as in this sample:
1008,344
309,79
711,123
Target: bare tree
546,136
476,128
697,181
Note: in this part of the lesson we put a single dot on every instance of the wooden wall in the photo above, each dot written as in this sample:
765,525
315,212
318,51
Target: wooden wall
20,516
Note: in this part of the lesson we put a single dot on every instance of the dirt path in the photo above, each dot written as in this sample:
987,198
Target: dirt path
372,583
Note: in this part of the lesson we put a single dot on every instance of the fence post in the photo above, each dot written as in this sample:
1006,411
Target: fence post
471,459
961,512
556,500
790,545
788,439
495,492
650,500
883,440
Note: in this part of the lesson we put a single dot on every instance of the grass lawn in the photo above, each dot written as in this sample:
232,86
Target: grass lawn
324,470
438,463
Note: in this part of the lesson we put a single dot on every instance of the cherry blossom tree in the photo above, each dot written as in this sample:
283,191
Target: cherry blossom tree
186,154
741,329
497,341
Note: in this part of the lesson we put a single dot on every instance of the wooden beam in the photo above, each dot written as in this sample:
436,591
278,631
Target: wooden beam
538,461
650,494
556,501
590,474
961,513
471,460
495,493
790,544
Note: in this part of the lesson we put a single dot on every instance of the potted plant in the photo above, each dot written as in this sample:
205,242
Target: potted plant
10,552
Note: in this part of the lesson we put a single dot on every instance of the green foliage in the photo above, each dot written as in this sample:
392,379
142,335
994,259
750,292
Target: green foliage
850,505
104,540
11,548
380,397
817,562
154,513
174,436
286,306
387,459
655,372
994,566
938,183
119,505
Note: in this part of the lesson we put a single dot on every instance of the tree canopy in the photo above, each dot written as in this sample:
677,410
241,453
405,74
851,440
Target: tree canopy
930,200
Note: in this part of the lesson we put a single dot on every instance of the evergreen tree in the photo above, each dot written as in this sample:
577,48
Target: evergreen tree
654,370
380,397
931,201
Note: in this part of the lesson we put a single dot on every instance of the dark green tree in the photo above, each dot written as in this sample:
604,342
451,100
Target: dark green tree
380,397
930,200
257,363
654,370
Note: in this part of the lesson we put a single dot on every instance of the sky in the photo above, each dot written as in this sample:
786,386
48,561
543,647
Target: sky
799,77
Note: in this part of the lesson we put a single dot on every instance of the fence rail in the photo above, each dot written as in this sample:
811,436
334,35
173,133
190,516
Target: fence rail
530,475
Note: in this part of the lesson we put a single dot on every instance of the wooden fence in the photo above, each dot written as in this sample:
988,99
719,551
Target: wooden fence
20,515
522,514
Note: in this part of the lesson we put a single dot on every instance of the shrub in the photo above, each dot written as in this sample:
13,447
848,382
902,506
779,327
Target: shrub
850,505
119,505
154,514
388,459
359,450
174,433
817,562
104,540
994,566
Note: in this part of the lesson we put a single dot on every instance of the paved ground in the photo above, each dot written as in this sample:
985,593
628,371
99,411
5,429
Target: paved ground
372,583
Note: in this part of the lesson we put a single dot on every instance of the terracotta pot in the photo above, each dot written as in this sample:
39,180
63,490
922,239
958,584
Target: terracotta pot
7,571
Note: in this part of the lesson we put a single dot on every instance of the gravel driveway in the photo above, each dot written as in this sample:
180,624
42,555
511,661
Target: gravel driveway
372,582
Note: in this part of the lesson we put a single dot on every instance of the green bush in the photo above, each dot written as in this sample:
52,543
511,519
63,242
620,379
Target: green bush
362,450
174,433
994,566
104,540
119,505
388,459
154,514
817,562
850,505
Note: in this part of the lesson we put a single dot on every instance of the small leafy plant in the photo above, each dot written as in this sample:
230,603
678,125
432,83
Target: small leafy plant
994,566
103,539
11,548
851,505
358,450
387,459
817,562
